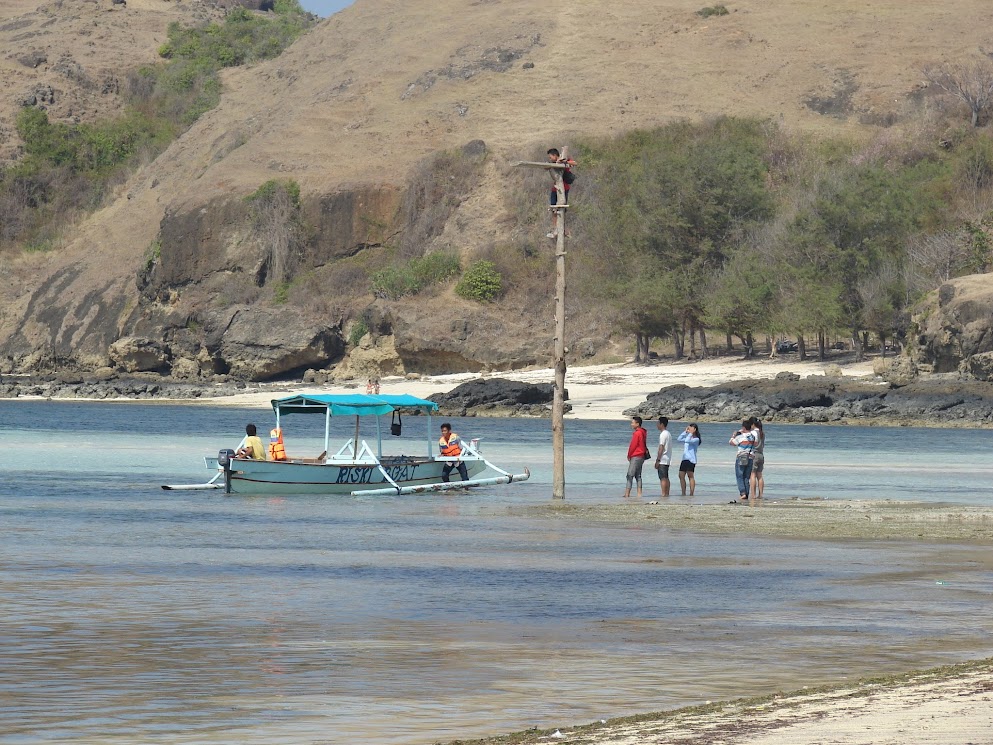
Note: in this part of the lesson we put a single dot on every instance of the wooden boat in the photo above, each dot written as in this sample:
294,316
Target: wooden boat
354,468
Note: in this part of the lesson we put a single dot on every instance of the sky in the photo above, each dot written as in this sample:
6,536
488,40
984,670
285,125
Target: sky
324,8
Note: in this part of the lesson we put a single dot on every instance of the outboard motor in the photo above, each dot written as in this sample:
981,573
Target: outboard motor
224,458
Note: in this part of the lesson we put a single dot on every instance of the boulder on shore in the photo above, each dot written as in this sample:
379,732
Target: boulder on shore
136,354
497,397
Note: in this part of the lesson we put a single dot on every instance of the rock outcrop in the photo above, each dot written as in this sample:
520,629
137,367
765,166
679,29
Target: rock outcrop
250,345
939,400
955,327
133,354
497,397
98,388
466,337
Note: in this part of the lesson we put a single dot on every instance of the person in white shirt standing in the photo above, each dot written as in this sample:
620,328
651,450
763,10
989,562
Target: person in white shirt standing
664,456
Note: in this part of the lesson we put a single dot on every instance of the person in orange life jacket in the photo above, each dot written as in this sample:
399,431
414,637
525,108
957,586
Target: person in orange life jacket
450,445
253,447
554,156
277,450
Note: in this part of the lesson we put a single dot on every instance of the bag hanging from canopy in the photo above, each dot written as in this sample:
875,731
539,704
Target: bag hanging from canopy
396,425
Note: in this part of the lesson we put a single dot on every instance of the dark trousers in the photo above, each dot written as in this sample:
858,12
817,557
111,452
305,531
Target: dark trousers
447,470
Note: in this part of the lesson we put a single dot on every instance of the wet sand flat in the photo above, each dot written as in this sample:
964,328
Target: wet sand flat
787,518
949,705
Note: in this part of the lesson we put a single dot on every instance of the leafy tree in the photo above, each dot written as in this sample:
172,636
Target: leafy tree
740,300
670,204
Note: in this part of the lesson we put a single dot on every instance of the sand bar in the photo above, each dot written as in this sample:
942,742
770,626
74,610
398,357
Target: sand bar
793,518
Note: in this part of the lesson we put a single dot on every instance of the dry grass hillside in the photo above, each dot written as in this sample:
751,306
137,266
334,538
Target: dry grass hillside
375,88
70,55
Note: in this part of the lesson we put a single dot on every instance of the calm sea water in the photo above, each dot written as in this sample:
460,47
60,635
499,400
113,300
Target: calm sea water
134,615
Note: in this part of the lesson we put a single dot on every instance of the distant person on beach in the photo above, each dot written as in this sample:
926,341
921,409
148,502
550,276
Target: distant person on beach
664,455
758,461
691,439
554,156
253,447
637,455
375,386
744,440
450,445
368,387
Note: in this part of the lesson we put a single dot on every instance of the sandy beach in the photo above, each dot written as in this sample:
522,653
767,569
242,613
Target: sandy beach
595,391
950,705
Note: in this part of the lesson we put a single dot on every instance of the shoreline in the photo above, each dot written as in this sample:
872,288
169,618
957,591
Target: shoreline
946,704
713,390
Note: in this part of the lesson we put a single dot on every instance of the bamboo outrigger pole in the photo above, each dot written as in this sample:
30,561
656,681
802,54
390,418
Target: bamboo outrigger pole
558,401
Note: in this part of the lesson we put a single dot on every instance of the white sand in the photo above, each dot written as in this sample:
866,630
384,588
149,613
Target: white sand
947,708
595,392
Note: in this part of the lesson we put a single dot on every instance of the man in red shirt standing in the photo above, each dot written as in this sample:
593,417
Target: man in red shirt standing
637,453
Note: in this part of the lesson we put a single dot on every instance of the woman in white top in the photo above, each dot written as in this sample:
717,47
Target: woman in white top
757,480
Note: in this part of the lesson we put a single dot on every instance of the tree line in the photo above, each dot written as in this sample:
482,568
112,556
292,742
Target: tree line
742,227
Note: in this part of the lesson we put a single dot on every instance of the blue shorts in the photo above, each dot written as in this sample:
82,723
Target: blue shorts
553,198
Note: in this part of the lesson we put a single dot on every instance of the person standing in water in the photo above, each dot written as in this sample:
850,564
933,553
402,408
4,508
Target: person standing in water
758,461
691,439
664,456
744,440
637,455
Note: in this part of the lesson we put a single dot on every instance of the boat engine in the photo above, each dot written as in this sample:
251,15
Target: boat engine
224,458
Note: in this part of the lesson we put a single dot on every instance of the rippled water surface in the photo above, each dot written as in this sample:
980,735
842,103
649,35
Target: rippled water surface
136,615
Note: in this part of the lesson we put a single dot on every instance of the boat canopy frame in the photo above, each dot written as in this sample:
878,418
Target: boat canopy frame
357,405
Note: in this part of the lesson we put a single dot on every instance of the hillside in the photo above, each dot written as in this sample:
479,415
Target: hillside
70,55
352,108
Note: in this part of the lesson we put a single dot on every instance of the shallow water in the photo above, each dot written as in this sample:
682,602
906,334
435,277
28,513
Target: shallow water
137,615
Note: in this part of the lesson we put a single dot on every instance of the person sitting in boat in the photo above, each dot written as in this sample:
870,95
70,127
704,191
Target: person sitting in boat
451,447
253,447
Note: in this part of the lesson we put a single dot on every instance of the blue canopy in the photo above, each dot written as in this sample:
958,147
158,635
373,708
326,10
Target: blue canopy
350,404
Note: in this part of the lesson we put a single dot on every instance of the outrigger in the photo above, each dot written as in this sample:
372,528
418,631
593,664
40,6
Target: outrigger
354,468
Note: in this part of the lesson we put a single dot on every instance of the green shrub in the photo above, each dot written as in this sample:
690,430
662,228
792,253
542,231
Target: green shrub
712,10
273,190
153,254
281,293
411,278
359,329
481,282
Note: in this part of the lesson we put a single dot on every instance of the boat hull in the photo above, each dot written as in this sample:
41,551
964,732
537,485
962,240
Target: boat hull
284,478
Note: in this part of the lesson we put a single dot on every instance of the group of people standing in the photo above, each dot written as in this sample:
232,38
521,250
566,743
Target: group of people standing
749,460
638,453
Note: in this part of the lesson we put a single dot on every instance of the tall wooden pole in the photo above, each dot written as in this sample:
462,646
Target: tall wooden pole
558,401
